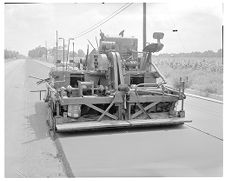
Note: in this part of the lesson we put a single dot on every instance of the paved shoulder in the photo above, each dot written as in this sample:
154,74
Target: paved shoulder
29,151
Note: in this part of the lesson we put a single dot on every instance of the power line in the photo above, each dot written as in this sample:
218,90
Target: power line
104,20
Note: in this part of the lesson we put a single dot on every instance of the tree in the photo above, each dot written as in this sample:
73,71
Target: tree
208,53
219,53
12,54
37,52
81,53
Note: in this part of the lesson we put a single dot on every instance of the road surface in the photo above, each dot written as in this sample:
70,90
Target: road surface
206,115
29,151
194,149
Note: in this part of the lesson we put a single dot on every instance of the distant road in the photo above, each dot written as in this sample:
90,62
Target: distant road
187,151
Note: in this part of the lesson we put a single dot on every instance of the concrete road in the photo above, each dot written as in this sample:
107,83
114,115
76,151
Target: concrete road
182,151
29,151
205,115
165,152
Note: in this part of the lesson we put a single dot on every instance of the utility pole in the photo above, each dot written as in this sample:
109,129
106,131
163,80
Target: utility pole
144,25
56,47
73,52
73,55
46,50
222,44
63,50
68,50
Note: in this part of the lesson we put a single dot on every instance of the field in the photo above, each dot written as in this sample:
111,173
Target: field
204,74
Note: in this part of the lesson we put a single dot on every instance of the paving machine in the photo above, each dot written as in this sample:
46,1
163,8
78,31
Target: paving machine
114,87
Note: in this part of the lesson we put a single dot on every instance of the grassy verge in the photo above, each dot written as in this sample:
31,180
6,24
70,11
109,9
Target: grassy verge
204,74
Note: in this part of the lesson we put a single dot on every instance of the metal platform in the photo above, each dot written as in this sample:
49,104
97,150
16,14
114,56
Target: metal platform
94,125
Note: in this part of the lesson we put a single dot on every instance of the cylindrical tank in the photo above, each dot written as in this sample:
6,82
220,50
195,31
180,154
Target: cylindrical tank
97,62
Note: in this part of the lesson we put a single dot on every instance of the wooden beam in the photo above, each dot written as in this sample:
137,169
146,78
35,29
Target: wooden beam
142,109
101,111
106,111
146,108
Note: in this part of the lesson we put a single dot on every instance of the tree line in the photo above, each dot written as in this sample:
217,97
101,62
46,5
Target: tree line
8,54
208,53
37,52
40,51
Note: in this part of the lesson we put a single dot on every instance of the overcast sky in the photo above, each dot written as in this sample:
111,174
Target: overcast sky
30,25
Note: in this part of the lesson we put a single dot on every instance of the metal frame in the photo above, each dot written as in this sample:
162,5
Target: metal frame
145,108
90,101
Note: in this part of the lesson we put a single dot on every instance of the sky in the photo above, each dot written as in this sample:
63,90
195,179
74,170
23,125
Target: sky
199,24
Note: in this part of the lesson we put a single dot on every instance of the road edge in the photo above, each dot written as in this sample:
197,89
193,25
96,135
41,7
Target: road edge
60,152
204,98
61,155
